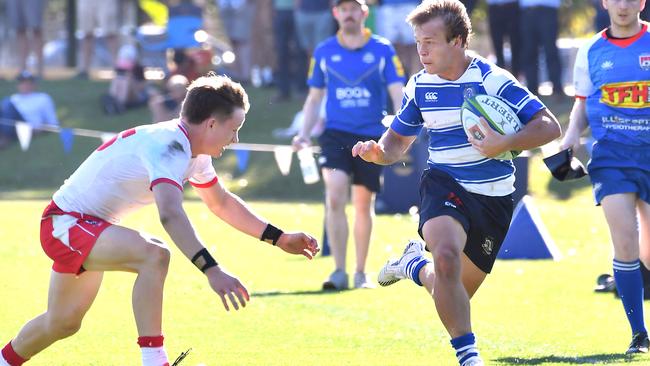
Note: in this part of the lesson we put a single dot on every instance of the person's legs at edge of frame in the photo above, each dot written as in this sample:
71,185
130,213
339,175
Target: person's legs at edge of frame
619,191
74,287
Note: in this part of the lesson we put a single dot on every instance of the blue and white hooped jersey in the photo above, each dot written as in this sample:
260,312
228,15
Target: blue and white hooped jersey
356,82
435,103
613,75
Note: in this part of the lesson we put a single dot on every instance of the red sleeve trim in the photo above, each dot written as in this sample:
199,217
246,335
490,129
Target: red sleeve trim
165,180
205,185
580,97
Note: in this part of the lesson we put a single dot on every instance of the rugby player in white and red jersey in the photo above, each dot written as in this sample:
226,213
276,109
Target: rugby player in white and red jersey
80,228
612,82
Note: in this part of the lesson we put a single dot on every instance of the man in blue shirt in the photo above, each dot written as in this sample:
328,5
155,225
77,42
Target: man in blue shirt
354,69
612,83
466,202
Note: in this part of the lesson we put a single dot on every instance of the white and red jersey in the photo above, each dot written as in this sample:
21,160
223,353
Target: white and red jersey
117,178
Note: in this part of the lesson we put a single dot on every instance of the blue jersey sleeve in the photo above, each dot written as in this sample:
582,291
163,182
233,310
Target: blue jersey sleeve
408,121
503,85
316,75
394,70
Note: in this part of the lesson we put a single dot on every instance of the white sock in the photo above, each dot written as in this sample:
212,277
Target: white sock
3,362
154,356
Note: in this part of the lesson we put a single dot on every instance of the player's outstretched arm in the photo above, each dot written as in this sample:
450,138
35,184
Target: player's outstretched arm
577,124
169,201
235,212
298,243
389,149
227,287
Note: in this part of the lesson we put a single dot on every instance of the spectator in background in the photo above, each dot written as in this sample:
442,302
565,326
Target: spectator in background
291,62
96,18
503,16
184,64
128,89
539,28
28,105
237,17
390,24
28,15
358,71
167,106
314,23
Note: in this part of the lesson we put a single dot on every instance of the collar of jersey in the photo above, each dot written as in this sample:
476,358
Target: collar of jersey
183,129
366,35
625,42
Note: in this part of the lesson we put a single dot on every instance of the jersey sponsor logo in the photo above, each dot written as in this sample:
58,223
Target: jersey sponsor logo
336,58
368,58
607,65
399,68
644,61
431,96
632,94
352,93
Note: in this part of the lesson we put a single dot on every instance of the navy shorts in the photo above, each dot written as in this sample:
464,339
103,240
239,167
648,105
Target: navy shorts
615,168
485,218
336,153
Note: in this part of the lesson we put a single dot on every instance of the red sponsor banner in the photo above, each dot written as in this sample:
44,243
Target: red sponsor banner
633,94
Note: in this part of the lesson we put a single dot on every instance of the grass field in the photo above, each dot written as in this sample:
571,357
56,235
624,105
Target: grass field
527,312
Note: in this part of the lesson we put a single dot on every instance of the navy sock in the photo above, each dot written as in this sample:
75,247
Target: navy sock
629,285
465,347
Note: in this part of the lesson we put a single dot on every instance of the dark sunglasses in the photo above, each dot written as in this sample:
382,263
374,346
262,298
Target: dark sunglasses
564,166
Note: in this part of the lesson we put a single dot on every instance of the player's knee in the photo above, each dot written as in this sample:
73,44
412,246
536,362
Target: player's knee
335,203
64,325
157,258
447,261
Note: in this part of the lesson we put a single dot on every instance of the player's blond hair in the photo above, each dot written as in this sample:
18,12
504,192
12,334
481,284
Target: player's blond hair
453,14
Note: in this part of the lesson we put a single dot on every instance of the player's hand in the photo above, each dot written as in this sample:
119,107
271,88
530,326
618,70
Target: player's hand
570,140
298,243
300,142
492,144
227,287
369,151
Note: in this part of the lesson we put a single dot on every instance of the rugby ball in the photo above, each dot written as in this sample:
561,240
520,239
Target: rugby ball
498,115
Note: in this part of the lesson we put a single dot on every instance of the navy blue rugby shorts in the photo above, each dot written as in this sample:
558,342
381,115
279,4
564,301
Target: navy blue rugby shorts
336,153
485,218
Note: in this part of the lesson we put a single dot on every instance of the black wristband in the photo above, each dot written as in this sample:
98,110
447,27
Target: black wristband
271,234
203,260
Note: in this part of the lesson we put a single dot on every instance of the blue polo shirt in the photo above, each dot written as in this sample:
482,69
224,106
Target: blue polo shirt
356,82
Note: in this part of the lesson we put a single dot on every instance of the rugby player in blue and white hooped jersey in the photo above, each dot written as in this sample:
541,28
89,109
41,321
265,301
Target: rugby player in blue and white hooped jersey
612,82
466,202
356,70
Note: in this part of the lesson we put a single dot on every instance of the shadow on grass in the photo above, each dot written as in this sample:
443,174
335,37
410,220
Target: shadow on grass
564,190
603,358
296,293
